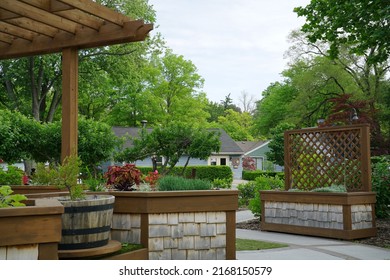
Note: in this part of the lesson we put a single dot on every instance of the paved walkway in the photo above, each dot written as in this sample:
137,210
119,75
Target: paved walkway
305,247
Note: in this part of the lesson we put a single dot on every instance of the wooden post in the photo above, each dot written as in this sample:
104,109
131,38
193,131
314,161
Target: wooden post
69,102
366,157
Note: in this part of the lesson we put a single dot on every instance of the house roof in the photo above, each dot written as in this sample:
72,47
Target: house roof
228,145
249,147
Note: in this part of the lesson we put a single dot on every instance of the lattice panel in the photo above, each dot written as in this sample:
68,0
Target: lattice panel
321,158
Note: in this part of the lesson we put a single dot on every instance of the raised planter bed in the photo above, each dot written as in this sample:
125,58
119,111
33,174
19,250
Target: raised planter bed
335,215
179,224
31,189
31,232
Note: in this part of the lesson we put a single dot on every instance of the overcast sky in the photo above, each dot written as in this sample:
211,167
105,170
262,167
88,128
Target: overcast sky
237,45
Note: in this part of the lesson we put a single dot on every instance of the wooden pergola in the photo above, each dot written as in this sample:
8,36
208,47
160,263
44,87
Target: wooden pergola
36,27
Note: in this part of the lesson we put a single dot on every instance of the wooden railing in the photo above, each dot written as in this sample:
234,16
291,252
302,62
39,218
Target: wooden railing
321,157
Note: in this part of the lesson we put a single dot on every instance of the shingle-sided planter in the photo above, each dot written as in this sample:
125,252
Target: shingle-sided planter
178,224
31,232
335,215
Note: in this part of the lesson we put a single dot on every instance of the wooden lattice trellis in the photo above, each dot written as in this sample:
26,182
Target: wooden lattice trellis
321,157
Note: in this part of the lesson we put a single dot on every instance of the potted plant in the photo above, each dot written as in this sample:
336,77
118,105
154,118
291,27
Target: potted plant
86,221
123,178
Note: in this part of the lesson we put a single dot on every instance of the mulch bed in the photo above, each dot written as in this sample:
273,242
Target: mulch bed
381,240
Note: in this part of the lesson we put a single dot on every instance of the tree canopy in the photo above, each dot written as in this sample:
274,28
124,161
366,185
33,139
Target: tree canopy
362,25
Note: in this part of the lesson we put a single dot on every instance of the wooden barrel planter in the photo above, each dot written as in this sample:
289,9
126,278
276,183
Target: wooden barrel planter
86,223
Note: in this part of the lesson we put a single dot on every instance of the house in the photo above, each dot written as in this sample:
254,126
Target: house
231,152
258,151
229,149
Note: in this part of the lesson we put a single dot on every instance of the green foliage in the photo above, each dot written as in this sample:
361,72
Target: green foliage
381,185
63,176
361,25
172,142
222,183
96,142
175,183
276,145
272,109
262,184
18,136
238,125
246,192
13,176
252,175
7,199
209,172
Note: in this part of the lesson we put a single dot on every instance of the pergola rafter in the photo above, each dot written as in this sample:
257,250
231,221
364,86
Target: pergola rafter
36,27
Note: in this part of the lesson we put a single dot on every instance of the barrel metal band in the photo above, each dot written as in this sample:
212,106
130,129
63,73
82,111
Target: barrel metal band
92,208
82,231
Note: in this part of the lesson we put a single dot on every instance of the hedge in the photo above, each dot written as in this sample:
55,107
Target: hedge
206,172
252,175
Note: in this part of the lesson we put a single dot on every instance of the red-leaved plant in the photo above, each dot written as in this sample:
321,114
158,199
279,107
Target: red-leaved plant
152,178
123,178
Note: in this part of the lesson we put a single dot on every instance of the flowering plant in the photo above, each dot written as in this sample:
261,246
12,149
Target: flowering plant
152,178
248,163
124,177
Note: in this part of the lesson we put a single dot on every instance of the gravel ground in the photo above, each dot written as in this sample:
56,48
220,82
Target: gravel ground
381,240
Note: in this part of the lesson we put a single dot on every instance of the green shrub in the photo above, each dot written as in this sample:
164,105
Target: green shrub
246,192
381,185
222,183
252,175
207,172
175,183
13,176
262,184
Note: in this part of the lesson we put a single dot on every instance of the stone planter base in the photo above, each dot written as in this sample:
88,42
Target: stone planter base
177,225
335,215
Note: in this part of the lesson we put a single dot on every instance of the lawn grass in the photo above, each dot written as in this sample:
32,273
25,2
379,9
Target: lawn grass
250,245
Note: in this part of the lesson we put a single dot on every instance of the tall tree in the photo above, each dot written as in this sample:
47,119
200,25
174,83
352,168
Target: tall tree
357,35
172,141
366,75
237,125
273,107
33,86
361,25
175,86
247,102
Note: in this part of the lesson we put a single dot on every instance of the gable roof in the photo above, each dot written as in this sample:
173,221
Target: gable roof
228,145
249,147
